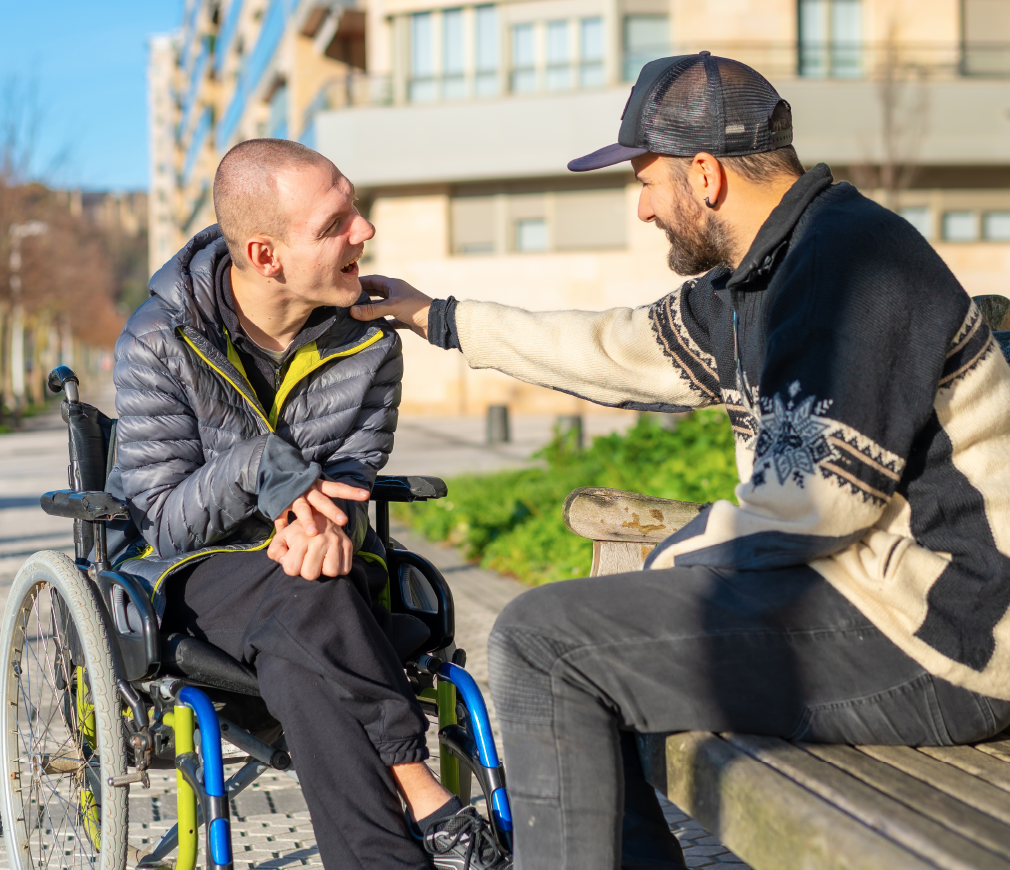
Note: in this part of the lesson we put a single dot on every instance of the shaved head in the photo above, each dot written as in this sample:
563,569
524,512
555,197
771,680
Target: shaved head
246,194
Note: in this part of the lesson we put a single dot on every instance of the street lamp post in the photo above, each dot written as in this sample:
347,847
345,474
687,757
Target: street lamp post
19,232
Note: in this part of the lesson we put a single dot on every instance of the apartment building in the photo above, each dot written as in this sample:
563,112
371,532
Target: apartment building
455,122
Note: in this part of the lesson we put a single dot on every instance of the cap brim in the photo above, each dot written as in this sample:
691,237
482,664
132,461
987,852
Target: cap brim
605,157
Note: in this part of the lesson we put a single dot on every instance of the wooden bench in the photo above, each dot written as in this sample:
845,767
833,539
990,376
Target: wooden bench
795,806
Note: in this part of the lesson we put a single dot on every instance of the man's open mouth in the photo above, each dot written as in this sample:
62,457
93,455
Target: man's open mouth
350,265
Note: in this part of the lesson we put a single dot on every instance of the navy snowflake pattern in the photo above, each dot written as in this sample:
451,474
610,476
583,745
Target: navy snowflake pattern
792,440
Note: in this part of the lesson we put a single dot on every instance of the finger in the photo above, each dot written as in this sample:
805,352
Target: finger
313,562
278,549
372,311
332,562
281,523
303,511
335,489
296,555
376,285
327,508
347,551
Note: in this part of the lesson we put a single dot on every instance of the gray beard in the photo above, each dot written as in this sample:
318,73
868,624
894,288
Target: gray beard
699,242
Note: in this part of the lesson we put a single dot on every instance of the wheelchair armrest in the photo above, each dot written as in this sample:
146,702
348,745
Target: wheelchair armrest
403,488
87,506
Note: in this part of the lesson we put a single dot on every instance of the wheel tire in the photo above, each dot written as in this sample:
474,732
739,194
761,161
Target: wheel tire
47,726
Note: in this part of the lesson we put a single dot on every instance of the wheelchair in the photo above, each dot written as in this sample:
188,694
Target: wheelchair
94,696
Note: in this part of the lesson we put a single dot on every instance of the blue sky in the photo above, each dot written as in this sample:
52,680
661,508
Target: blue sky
87,60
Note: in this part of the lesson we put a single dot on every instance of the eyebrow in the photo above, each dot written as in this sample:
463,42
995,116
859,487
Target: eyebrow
337,216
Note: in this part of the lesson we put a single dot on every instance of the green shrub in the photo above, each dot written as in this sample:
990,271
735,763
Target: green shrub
510,521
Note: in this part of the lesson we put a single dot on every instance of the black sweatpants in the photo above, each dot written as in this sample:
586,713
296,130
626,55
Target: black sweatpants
329,674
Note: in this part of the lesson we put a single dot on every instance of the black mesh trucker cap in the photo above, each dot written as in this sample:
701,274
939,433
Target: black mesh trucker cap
696,102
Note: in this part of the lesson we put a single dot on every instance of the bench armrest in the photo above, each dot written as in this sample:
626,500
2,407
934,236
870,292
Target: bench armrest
615,515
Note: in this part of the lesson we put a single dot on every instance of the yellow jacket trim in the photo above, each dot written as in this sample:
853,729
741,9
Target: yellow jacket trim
202,554
252,404
305,361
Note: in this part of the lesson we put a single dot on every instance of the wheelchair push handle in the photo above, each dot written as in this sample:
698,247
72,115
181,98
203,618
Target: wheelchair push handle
64,379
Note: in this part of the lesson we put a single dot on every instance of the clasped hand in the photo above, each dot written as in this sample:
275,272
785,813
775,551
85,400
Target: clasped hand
314,543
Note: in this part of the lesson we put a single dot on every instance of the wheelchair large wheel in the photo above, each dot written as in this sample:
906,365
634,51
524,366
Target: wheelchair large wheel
62,735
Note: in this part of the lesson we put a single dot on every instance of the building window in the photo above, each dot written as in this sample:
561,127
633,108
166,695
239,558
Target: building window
486,44
531,235
524,59
589,219
473,224
559,69
591,72
562,220
919,217
646,37
453,72
996,226
960,226
421,87
831,38
986,35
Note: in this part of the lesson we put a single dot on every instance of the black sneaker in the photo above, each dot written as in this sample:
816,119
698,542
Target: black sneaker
465,842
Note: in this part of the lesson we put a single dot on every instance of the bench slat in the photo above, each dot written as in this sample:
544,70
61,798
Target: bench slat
996,748
960,819
957,783
880,812
767,818
969,759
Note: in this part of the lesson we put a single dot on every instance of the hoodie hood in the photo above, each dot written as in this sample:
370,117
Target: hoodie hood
185,284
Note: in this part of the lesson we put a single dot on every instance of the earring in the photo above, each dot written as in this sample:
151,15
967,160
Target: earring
709,204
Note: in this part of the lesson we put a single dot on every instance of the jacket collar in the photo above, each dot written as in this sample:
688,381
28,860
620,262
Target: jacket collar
774,233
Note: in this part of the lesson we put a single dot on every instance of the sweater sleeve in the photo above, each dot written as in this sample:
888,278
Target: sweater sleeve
654,358
850,375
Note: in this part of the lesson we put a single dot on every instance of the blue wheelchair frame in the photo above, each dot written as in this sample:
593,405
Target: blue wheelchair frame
203,793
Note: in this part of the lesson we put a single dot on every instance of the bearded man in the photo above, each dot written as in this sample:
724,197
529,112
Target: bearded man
858,589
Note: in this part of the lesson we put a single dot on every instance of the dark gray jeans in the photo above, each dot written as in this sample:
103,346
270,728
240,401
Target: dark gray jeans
780,653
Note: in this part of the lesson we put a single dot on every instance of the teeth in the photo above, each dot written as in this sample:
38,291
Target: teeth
348,266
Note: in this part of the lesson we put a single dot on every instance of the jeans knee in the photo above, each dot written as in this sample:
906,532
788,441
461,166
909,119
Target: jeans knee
521,661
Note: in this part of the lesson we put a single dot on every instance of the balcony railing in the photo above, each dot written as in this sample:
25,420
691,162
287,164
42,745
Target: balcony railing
774,60
866,60
354,89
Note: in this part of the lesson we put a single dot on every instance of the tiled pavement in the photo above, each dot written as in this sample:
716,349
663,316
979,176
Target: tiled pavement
271,826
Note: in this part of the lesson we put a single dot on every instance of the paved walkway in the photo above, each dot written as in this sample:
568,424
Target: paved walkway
271,826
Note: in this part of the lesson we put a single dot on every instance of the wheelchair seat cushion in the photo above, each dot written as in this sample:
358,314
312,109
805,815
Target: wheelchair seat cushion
203,663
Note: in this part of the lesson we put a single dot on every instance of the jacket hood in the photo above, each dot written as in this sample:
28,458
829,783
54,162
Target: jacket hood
185,284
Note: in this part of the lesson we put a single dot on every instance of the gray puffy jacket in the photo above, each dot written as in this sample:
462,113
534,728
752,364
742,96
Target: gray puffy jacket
203,466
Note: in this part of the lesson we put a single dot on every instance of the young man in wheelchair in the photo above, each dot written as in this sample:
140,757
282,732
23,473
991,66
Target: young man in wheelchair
254,413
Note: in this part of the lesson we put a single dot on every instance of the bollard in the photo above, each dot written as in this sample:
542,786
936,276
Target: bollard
569,427
498,424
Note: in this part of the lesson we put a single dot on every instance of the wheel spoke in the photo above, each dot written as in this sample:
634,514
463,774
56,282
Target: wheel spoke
53,753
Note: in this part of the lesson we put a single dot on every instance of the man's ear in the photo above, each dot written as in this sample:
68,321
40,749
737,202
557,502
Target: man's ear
262,255
708,179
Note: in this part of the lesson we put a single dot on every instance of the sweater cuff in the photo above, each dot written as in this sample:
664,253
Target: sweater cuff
442,324
284,474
